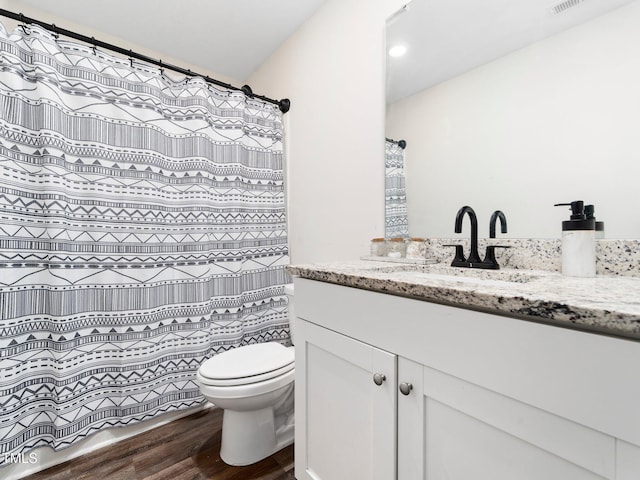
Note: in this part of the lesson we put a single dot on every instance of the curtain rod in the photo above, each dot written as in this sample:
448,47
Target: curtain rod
401,143
284,104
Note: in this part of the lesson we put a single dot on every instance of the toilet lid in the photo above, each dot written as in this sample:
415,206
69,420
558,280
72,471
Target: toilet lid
248,361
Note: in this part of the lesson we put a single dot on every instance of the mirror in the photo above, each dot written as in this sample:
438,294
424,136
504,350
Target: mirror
516,106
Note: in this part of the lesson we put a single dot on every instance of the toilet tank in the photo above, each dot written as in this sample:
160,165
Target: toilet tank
288,290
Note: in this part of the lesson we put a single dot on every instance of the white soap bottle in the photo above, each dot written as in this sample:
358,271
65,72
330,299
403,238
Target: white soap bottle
578,242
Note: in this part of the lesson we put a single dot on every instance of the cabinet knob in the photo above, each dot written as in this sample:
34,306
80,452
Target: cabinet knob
378,378
405,388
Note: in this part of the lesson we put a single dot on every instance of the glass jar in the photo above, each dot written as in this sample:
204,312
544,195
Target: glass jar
416,248
396,247
378,247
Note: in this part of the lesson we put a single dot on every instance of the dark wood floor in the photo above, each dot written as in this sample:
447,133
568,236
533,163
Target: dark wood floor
186,449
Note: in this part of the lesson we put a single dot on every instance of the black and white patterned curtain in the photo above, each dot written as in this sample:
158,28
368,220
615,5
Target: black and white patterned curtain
142,230
395,195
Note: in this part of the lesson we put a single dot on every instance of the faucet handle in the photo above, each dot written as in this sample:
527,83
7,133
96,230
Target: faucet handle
490,261
459,257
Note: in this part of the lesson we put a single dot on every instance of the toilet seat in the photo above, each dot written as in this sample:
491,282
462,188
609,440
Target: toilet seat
247,365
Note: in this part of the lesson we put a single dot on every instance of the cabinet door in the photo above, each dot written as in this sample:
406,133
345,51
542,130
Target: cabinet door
345,422
627,461
454,430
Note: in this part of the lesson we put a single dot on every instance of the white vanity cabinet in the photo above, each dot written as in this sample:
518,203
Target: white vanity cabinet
490,397
347,421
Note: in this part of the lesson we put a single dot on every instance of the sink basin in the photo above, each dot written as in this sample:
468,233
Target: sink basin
465,276
474,280
468,276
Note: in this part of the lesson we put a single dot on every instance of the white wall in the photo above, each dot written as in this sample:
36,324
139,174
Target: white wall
554,122
332,69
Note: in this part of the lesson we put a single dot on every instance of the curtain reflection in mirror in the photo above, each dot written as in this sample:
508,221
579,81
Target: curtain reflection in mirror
396,223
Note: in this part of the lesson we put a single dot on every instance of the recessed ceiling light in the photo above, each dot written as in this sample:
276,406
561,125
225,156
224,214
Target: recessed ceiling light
397,51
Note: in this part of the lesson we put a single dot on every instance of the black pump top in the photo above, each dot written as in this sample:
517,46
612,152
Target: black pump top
589,211
578,219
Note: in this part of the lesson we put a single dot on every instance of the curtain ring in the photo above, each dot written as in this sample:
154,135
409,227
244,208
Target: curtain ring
23,25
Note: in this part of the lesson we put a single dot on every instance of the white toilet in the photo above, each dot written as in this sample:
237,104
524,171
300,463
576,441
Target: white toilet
254,386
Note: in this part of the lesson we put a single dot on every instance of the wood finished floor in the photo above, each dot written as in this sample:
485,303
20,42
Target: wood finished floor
186,449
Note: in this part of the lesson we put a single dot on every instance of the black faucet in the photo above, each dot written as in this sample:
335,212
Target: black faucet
492,223
490,261
474,261
474,258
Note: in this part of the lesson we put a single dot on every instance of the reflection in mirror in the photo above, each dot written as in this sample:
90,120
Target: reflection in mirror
395,197
516,106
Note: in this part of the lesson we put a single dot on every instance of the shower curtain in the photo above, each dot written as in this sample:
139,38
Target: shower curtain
142,230
395,195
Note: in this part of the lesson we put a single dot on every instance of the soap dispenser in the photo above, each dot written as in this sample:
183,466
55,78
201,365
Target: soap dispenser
578,242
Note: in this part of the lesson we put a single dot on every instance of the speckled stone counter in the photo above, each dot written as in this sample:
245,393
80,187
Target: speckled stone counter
604,304
613,257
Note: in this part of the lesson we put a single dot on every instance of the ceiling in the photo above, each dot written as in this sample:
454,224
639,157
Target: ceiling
228,37
446,38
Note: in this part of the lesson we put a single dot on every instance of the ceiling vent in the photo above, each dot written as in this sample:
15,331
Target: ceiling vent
561,7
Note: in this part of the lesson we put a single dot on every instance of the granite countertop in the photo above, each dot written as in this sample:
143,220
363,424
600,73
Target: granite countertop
604,304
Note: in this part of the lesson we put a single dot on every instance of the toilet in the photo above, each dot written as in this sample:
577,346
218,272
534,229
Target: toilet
254,386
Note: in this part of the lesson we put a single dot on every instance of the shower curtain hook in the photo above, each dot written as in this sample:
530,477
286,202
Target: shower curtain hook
161,67
23,24
93,46
54,29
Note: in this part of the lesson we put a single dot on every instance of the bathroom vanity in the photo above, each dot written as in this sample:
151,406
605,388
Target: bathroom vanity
409,372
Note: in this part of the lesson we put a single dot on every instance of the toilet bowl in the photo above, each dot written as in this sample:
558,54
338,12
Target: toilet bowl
253,384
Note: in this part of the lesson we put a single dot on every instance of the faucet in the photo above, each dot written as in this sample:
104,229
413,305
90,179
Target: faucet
492,223
473,261
474,257
490,261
